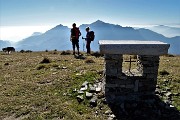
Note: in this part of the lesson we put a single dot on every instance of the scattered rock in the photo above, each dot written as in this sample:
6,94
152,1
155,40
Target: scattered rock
80,98
93,102
92,89
89,95
168,94
84,88
85,84
64,94
75,90
108,112
78,74
64,67
98,89
80,92
111,117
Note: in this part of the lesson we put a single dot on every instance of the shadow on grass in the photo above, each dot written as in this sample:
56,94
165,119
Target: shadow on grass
147,108
79,57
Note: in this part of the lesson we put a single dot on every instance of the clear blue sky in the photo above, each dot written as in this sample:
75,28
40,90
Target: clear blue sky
122,12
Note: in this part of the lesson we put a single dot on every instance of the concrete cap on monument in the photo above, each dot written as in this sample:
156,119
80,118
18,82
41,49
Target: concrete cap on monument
133,47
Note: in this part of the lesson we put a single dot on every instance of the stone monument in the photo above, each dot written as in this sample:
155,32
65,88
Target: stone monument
119,86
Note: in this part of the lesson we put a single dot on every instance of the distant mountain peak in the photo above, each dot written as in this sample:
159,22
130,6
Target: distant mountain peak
102,23
36,33
60,26
98,22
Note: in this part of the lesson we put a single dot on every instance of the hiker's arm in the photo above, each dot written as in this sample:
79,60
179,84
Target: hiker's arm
79,33
84,38
71,38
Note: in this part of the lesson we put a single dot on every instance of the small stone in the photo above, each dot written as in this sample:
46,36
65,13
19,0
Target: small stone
90,85
89,95
165,80
84,88
98,89
64,67
176,94
85,84
80,92
157,91
93,102
111,117
157,86
95,85
168,94
75,90
168,102
163,91
78,74
172,106
108,112
92,89
80,98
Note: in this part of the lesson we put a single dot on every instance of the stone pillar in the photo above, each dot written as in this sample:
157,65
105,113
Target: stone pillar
113,65
113,70
148,66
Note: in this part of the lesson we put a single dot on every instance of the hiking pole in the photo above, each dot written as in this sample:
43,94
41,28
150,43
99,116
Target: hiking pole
83,43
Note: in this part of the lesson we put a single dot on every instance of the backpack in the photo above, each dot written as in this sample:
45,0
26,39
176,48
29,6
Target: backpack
75,33
91,35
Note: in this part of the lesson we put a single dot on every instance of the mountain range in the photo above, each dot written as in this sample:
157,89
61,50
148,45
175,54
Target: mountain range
59,37
4,43
165,30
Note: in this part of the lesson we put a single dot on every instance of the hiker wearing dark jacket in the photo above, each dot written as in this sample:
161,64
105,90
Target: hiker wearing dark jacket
75,33
88,40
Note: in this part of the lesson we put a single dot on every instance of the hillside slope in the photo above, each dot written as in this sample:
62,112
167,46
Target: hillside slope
43,85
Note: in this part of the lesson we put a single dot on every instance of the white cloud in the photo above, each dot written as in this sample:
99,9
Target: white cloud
16,33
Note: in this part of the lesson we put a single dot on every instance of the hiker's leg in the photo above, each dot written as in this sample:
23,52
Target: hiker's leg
73,44
77,45
88,47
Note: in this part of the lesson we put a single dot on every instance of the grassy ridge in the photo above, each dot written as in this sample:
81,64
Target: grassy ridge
44,90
